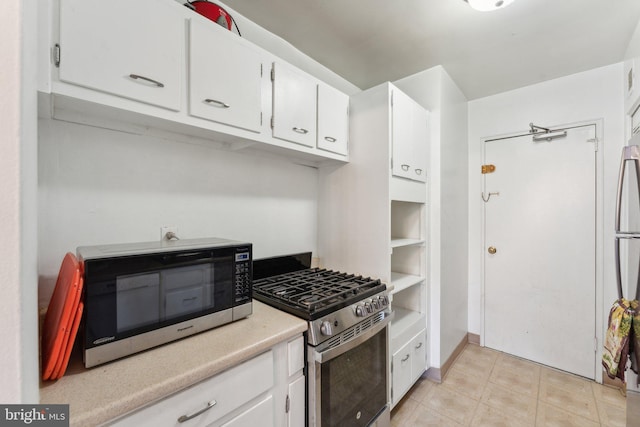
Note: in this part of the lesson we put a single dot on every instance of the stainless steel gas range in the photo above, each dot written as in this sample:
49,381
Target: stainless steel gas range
347,352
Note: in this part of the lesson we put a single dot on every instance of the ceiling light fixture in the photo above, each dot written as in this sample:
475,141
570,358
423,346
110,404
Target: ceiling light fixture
488,5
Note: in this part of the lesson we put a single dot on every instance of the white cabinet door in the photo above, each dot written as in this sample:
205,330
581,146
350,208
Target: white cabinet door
296,414
225,76
401,372
294,105
410,137
131,49
408,364
419,358
333,119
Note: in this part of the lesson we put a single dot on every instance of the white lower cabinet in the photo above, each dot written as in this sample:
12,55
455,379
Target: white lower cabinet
296,403
261,391
407,365
257,415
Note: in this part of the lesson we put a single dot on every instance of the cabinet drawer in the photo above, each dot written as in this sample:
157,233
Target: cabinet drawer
258,415
222,394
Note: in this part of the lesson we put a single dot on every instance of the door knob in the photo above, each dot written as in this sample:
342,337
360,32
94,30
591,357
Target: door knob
492,250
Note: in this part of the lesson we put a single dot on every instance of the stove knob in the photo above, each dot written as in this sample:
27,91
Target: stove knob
376,304
360,311
368,307
385,300
326,329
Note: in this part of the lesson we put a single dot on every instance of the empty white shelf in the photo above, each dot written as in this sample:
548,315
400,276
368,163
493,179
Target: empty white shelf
401,281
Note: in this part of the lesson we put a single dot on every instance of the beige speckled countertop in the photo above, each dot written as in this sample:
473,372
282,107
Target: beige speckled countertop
104,392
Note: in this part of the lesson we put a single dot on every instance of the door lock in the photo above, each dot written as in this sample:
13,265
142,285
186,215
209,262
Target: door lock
492,250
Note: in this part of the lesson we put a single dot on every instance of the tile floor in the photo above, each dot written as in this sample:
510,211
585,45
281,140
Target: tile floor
488,388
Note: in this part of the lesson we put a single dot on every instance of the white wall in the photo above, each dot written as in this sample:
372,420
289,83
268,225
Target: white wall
18,278
99,186
633,49
448,214
591,95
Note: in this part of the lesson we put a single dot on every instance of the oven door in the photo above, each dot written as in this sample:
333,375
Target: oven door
348,383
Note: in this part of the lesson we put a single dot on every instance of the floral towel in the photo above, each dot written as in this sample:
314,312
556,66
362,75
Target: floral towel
634,338
617,338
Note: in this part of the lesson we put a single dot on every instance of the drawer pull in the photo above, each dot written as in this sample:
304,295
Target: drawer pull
146,79
200,412
405,167
300,130
216,103
405,358
419,345
419,171
330,139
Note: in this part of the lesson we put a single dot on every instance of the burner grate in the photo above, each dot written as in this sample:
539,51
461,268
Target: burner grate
315,290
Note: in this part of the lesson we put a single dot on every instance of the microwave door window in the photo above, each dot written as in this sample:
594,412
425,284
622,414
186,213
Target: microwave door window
137,300
186,290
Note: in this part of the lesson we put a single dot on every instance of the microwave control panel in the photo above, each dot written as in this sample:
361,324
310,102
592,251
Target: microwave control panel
244,278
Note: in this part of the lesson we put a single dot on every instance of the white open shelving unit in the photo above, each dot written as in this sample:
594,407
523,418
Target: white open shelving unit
373,218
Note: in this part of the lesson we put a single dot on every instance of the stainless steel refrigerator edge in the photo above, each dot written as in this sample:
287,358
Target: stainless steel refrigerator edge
627,251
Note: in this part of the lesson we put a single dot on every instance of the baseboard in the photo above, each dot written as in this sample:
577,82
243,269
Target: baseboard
473,338
437,374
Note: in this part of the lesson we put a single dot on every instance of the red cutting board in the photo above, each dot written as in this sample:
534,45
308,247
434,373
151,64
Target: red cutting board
60,314
70,338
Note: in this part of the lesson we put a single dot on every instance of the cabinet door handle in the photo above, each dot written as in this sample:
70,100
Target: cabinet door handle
405,358
216,103
419,171
201,411
405,167
300,130
147,79
330,139
419,345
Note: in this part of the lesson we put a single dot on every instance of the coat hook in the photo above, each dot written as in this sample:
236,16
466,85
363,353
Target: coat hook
497,193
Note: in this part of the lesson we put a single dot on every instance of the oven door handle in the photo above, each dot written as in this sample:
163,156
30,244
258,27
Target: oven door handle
334,352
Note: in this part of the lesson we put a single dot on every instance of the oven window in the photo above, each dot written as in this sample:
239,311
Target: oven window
354,384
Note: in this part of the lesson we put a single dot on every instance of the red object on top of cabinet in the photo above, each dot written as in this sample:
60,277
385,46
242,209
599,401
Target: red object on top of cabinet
214,12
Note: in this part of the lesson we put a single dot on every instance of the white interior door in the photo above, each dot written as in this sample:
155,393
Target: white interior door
540,281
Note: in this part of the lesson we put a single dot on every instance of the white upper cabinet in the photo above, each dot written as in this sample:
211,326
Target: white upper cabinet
117,47
409,137
225,77
143,65
333,119
294,105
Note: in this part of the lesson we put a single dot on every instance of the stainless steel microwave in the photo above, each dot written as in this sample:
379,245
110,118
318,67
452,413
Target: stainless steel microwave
138,296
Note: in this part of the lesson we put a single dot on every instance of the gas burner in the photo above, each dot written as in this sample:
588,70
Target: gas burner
314,292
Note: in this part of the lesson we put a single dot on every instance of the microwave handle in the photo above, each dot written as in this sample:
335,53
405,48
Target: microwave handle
327,355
